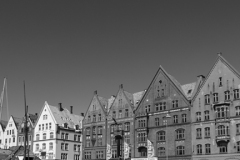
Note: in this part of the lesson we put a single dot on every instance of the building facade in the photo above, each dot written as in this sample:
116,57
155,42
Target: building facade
30,127
163,117
216,114
3,125
58,134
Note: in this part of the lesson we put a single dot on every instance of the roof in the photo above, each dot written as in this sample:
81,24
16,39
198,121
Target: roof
104,103
188,89
33,117
110,102
17,121
137,98
65,116
4,124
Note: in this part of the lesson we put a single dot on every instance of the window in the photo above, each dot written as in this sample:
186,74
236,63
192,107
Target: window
37,147
161,151
162,92
180,150
237,110
162,106
75,137
64,156
114,153
44,146
175,103
94,118
207,132
50,146
147,109
120,114
42,126
45,117
141,123
89,119
99,117
222,130
127,126
220,82
99,140
199,133
9,140
238,128
161,136
51,135
113,142
99,154
30,138
39,127
44,136
184,118
13,139
76,157
236,93
175,119
223,149
227,95
208,148
50,125
126,113
238,146
99,129
198,116
199,149
19,139
62,146
221,112
37,137
215,97
206,115
114,114
66,146
142,136
127,137
143,152
62,136
66,136
156,121
79,138
180,134
207,99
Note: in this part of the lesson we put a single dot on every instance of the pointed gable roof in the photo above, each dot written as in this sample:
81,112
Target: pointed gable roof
17,121
170,78
224,61
137,98
102,101
3,124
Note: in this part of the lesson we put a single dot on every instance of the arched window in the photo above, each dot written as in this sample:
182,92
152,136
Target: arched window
199,149
180,134
142,151
51,135
180,150
161,151
37,136
44,146
44,136
50,146
161,136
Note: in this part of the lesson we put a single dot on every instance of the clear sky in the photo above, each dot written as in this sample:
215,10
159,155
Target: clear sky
65,50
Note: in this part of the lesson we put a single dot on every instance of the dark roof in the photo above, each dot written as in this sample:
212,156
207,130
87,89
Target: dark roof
33,117
4,124
17,121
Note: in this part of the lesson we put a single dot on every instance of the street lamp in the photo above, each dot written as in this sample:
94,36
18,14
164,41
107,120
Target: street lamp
167,117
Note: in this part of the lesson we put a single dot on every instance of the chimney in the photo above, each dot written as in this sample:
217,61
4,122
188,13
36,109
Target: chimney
71,109
82,114
60,106
219,54
121,86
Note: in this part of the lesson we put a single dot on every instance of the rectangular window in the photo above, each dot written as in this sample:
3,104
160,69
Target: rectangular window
208,149
174,103
221,112
223,149
120,114
220,82
199,149
147,108
199,133
236,93
198,116
142,137
206,115
207,132
184,118
237,128
42,126
207,99
156,121
227,95
114,114
175,119
237,110
215,97
94,118
126,113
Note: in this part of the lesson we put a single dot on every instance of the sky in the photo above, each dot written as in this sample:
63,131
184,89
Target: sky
65,50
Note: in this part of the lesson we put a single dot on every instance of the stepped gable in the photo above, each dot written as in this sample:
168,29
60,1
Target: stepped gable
65,116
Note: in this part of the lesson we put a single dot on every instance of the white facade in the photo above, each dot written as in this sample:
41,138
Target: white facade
52,140
1,136
10,134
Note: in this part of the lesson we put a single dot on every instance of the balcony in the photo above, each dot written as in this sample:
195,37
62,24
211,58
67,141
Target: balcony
222,139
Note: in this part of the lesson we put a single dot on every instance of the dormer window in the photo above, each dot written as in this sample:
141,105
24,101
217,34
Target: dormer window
65,125
77,127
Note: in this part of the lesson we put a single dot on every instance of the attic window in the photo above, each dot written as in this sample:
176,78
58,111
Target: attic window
65,125
77,127
189,91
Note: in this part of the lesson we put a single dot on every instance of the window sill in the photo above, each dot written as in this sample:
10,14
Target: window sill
180,139
207,137
235,99
198,137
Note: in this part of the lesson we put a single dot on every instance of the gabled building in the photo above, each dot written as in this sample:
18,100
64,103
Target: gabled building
94,128
163,117
216,114
10,133
32,118
58,134
3,125
121,119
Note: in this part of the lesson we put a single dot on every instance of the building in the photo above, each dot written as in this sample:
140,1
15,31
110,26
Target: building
3,125
58,133
163,117
10,132
32,118
216,114
94,128
121,120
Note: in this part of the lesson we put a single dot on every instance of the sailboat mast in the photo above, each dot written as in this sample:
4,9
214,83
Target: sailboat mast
1,100
25,125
